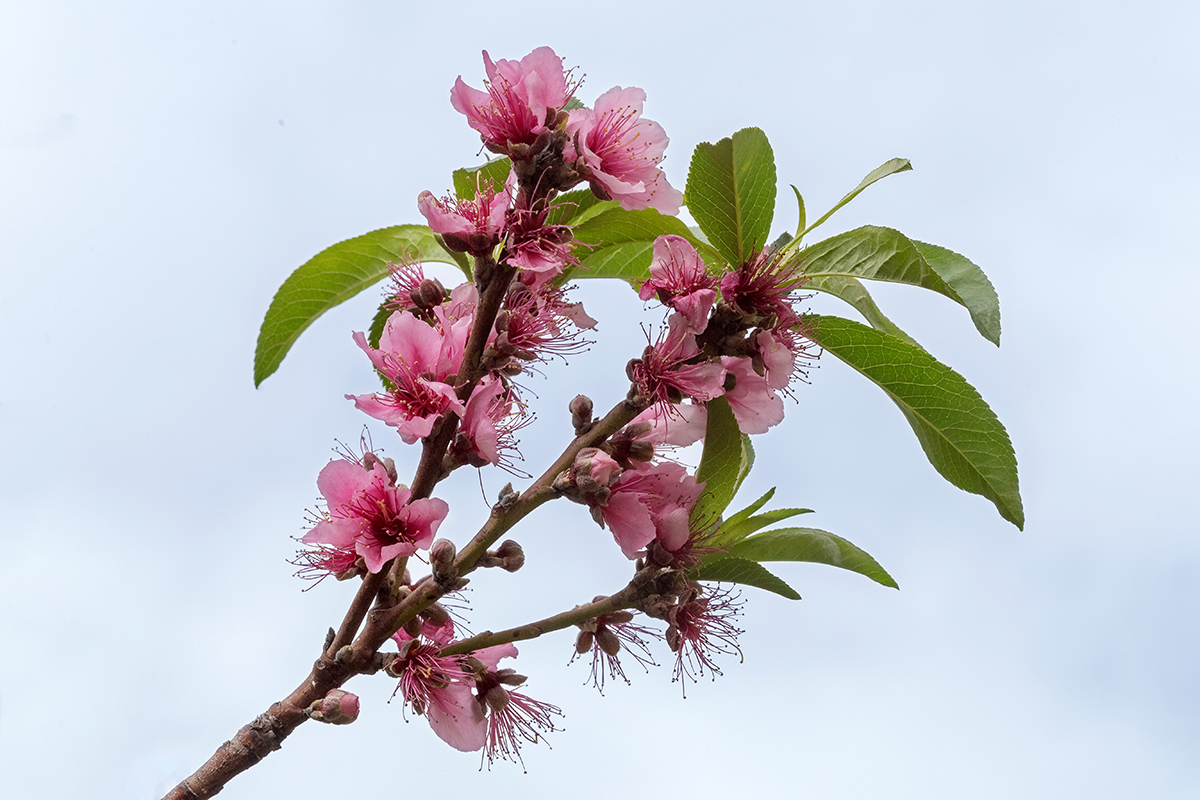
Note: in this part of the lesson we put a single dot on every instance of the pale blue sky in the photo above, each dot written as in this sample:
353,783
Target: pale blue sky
163,167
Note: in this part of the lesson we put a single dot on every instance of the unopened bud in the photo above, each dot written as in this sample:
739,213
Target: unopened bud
496,698
441,560
336,708
608,641
436,615
511,555
581,413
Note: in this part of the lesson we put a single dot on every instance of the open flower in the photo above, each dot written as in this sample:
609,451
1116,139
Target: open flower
677,279
619,152
606,637
664,374
418,359
755,405
651,504
512,717
440,689
467,226
518,94
700,626
368,514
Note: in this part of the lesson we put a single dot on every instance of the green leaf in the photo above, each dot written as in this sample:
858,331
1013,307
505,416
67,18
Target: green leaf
724,462
733,520
880,172
619,244
810,544
331,277
853,292
746,572
491,173
800,218
576,207
974,289
735,533
883,254
957,430
731,193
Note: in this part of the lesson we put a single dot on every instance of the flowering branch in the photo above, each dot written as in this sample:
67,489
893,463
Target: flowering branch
733,345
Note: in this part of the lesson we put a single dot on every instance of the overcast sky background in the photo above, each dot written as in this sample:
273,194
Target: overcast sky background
164,167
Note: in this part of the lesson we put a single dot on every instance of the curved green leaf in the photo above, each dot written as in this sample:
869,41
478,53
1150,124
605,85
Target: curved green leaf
884,254
880,172
724,462
731,193
853,292
331,277
957,430
974,289
746,572
812,545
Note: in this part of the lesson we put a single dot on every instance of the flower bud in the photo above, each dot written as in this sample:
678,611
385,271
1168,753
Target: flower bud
429,293
496,698
608,641
581,413
336,708
441,560
511,555
436,615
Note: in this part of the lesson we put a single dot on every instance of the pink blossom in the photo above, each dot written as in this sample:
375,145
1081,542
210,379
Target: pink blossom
368,513
608,635
519,94
701,626
417,359
513,717
537,324
467,226
651,504
763,287
678,279
492,417
440,688
538,248
677,425
755,405
619,152
665,374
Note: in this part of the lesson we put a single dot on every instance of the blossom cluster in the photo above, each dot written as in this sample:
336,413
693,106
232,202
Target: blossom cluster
449,360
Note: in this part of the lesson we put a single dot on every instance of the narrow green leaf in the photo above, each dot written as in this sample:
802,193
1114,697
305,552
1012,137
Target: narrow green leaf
957,430
756,523
853,292
731,193
491,173
974,289
880,172
724,462
331,277
746,572
733,520
810,544
800,218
